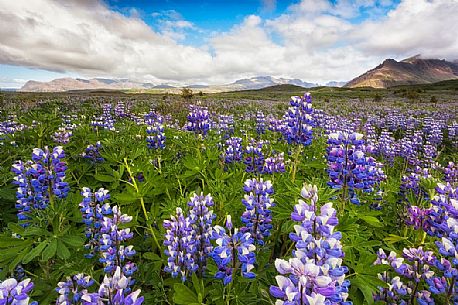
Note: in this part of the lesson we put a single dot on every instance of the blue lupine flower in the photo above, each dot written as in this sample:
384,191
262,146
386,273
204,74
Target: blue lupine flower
93,208
13,292
314,275
106,120
92,153
257,217
155,131
234,251
348,167
254,157
114,290
71,290
201,219
198,120
274,164
35,178
299,121
234,150
180,245
260,123
113,253
225,126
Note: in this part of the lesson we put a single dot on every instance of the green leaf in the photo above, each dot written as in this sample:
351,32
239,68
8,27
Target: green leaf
35,252
392,238
50,250
62,250
73,241
184,295
371,220
198,287
104,178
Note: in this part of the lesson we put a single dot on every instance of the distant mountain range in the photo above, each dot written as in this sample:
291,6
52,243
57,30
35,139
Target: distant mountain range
410,71
68,84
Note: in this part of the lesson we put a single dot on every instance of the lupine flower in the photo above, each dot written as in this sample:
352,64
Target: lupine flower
451,173
93,208
314,275
180,246
106,120
348,167
198,120
234,251
260,123
62,136
257,217
92,153
14,293
299,120
114,290
226,126
254,157
113,253
155,131
234,150
71,291
274,164
46,171
415,266
201,218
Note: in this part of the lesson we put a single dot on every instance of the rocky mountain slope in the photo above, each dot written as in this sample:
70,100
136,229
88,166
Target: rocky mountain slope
410,71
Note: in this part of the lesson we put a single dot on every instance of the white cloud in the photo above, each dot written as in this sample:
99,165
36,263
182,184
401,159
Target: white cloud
312,40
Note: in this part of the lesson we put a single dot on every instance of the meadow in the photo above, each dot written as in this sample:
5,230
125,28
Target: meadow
337,196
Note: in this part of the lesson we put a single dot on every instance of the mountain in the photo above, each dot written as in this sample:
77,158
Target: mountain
410,71
69,84
335,84
260,82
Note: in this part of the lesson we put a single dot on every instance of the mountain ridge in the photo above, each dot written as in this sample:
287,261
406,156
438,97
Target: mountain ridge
410,71
69,84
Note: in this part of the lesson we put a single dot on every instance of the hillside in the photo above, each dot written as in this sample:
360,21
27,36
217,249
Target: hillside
411,71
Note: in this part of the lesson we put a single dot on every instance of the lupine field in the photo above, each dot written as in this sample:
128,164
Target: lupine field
125,200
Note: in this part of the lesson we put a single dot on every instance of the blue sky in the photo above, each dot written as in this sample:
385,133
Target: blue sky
216,41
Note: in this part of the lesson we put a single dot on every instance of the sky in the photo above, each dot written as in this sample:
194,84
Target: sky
216,41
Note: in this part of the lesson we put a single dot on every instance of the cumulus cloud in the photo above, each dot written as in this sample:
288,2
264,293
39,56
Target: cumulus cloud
313,40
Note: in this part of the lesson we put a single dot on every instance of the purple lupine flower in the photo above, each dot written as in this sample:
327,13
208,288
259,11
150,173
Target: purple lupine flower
113,253
415,267
155,131
348,167
62,136
93,208
180,246
36,178
225,126
13,292
274,164
234,150
114,290
299,121
201,218
260,123
92,153
72,289
451,173
254,157
234,251
106,120
314,275
257,217
198,120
